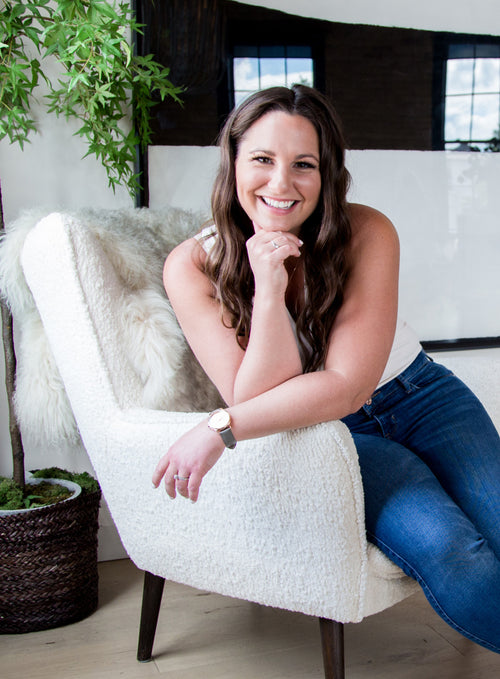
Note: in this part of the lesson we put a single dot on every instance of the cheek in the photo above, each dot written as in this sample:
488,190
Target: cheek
314,192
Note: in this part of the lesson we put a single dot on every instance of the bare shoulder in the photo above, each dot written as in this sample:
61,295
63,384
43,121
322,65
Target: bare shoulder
370,228
184,266
367,220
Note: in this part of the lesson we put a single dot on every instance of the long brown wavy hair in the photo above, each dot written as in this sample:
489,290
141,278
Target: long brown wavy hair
326,233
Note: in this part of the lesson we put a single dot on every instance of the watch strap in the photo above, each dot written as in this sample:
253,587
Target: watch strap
228,438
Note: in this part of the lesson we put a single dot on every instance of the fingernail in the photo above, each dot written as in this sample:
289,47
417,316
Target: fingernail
301,242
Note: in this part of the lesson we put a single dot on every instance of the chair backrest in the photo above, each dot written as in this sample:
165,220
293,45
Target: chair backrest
78,292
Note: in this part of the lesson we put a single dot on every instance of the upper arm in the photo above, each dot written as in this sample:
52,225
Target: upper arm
198,312
363,331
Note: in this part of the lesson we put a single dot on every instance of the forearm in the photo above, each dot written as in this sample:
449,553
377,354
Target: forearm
272,355
299,402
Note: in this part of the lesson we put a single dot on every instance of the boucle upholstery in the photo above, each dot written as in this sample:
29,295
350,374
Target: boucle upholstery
136,243
279,521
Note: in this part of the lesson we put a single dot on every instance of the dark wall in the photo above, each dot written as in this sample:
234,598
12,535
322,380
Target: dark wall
379,79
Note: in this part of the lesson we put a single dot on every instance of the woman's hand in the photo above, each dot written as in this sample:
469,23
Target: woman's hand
267,253
189,459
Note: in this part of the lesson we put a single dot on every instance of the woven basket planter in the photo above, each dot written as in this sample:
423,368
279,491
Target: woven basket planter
48,565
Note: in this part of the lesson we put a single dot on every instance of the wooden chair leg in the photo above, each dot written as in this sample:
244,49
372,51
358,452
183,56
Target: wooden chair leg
151,601
332,643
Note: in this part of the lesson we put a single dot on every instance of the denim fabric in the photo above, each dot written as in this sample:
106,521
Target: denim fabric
430,462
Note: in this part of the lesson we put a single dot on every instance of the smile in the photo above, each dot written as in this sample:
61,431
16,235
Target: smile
281,204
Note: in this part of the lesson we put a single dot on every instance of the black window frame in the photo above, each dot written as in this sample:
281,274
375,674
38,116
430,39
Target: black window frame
444,43
266,51
289,31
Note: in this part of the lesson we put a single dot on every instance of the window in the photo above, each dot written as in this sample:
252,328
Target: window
472,98
257,67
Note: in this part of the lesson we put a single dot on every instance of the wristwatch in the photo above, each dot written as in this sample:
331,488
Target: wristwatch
220,421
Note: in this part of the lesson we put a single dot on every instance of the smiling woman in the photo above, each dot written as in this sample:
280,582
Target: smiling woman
291,307
279,184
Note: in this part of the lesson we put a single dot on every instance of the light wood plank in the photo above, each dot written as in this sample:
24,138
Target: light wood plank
201,634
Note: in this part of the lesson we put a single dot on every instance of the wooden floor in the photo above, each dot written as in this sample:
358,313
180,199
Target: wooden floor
207,636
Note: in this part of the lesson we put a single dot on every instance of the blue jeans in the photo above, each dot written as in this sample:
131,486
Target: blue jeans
430,462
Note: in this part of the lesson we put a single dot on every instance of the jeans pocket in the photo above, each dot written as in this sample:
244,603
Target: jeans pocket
427,374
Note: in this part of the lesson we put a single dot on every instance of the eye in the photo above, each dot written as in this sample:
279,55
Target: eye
264,160
305,165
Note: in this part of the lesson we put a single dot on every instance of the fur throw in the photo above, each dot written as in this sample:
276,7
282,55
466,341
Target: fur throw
136,241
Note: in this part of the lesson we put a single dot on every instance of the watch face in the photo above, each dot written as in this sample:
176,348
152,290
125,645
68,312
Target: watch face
220,419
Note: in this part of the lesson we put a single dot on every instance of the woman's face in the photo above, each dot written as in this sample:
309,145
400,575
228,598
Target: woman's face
278,182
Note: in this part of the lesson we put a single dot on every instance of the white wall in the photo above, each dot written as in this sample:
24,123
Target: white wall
51,171
51,174
459,16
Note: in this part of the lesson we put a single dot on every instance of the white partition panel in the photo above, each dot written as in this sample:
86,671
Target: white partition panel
445,206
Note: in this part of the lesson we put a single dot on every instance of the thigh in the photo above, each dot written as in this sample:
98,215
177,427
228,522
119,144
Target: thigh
454,436
411,518
409,514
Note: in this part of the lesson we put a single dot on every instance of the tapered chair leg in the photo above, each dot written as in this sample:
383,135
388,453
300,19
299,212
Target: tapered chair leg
151,601
332,643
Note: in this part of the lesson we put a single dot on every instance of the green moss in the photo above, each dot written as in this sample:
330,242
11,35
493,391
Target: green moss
13,497
83,479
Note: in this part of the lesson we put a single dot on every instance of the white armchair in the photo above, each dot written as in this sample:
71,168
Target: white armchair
279,521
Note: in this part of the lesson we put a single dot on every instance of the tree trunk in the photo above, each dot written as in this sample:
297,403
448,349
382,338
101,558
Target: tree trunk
10,379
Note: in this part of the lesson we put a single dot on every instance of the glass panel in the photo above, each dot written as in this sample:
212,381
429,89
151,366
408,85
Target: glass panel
299,71
457,118
487,50
272,51
487,75
461,51
246,73
240,96
485,118
272,72
459,74
298,51
246,51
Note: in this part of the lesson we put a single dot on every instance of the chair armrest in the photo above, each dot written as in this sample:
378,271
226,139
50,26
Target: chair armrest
280,519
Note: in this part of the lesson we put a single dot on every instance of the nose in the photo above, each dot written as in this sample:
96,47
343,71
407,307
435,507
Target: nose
280,178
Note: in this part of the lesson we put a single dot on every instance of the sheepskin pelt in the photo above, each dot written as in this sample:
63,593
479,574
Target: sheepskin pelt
136,241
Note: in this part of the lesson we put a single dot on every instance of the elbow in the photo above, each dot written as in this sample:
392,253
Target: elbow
348,396
357,402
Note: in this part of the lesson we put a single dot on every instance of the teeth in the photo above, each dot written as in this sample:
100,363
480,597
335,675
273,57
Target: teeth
282,204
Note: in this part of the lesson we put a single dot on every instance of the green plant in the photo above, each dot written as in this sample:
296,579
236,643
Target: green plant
101,83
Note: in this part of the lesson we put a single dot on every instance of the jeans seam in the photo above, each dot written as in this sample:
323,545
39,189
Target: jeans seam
429,595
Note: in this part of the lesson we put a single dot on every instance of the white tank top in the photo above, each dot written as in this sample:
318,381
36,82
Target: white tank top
405,347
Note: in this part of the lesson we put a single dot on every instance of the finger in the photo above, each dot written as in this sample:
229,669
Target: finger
181,483
160,471
170,482
283,248
194,486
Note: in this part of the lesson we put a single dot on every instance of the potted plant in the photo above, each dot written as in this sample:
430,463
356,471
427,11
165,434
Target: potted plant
46,579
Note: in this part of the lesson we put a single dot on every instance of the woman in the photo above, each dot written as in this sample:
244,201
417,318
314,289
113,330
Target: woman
290,304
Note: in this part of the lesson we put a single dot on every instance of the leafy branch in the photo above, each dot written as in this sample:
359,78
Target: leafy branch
101,83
